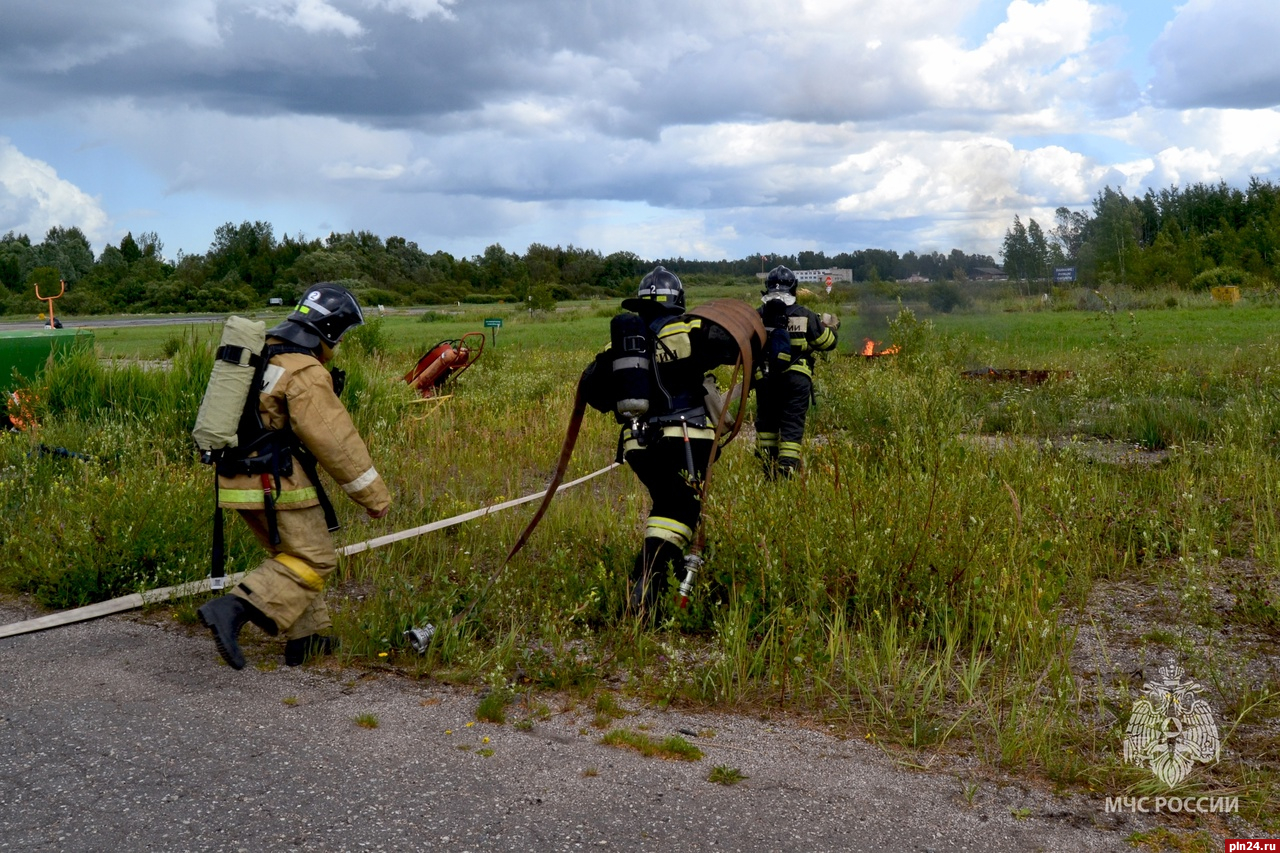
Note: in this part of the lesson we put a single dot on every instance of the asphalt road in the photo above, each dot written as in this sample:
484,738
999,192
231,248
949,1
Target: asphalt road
77,322
128,733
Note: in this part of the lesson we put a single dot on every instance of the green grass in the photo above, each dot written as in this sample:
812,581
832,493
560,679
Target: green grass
1072,339
724,775
913,583
674,748
1165,839
493,707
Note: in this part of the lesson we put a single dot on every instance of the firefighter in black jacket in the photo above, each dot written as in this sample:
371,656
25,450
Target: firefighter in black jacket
652,378
784,389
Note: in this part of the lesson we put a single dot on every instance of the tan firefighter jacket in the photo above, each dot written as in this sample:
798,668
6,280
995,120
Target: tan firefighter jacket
297,393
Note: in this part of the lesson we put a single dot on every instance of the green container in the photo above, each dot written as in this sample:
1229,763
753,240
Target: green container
28,352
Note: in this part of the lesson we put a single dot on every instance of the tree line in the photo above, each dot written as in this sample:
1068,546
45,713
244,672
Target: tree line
1195,237
247,265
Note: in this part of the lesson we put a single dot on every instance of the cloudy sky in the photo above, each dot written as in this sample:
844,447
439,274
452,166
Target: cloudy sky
713,129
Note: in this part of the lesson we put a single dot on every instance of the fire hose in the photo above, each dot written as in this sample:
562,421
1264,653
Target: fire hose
738,319
744,326
169,593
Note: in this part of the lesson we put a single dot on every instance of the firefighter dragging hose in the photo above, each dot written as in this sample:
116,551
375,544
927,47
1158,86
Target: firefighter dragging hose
270,416
653,379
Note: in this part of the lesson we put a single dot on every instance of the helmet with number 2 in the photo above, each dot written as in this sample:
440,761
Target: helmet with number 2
661,288
780,284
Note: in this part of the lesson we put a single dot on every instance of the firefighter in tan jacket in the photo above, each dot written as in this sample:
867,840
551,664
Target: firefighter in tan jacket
302,424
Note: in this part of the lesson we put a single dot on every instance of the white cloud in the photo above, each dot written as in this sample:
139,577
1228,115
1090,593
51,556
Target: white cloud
1219,53
1199,145
33,199
349,171
1184,166
311,16
1248,134
255,157
1053,172
1042,33
418,10
655,234
686,128
1023,63
981,177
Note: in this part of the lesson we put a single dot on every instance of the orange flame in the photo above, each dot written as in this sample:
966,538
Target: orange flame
869,349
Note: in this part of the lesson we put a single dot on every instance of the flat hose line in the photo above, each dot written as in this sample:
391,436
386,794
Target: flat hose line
168,593
745,327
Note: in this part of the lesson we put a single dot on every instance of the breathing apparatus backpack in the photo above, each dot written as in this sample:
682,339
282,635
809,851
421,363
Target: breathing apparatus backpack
777,345
629,344
236,364
231,437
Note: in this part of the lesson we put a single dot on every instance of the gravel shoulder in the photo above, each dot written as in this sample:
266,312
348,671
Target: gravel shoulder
122,733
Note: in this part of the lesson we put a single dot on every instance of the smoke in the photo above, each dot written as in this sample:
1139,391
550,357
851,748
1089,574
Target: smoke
870,323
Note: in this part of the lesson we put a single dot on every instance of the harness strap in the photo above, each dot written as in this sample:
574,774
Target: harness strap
240,356
269,506
219,555
308,463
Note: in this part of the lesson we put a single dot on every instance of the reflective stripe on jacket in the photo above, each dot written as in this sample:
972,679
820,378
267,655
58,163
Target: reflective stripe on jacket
808,336
297,394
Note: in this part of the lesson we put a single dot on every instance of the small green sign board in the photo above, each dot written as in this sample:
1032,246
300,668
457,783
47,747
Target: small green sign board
493,324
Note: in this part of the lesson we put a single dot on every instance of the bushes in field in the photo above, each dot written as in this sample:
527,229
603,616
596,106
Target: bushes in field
1223,277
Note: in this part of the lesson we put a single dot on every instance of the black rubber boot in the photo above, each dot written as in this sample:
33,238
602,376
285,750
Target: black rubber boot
649,576
768,463
224,616
304,648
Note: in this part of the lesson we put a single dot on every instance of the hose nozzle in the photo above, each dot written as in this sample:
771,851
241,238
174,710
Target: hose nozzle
420,638
692,562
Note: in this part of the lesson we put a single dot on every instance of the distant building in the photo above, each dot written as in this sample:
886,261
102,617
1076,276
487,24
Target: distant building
914,278
275,300
989,274
817,276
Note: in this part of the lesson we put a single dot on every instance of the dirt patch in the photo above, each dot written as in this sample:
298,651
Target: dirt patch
1194,618
1093,450
144,363
1129,628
